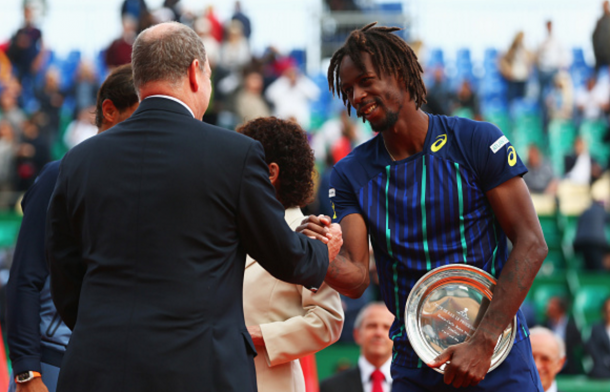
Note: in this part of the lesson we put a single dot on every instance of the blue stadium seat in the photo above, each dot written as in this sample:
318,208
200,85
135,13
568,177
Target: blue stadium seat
580,73
436,58
300,57
578,57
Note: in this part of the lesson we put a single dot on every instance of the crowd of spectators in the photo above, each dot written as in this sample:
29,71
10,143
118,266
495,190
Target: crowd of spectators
46,109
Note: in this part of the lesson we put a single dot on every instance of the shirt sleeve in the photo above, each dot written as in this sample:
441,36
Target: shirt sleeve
342,197
319,327
493,157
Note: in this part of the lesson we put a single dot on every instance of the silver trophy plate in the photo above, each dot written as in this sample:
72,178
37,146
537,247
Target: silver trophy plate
445,307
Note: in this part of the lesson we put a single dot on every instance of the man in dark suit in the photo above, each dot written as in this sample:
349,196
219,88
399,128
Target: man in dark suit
371,333
598,345
147,235
562,324
36,337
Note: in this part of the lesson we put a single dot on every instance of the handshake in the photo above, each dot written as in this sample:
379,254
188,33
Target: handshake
320,228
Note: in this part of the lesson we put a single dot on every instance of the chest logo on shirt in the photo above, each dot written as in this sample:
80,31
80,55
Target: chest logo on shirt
439,143
512,156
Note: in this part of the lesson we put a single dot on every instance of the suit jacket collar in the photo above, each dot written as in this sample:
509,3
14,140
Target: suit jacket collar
159,103
293,217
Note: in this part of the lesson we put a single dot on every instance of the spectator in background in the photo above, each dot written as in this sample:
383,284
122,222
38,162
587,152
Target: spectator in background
203,28
175,8
136,10
333,130
371,333
592,100
291,95
549,354
234,56
601,38
564,326
598,345
119,51
550,58
6,68
235,51
540,177
515,66
590,240
580,167
466,102
85,88
217,30
8,148
347,141
342,5
25,46
438,95
559,101
10,112
32,154
82,128
50,98
245,21
249,102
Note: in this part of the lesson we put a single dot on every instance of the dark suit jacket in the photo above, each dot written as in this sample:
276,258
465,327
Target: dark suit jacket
573,342
147,236
346,381
598,347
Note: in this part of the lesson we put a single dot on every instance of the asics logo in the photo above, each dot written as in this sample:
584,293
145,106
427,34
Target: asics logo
439,143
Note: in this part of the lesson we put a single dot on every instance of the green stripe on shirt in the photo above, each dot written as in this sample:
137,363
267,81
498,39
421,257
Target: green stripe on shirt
424,223
461,203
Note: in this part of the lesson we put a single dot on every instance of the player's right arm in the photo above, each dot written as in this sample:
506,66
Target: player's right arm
349,272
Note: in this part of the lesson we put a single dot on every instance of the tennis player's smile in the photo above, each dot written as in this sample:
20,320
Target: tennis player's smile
368,111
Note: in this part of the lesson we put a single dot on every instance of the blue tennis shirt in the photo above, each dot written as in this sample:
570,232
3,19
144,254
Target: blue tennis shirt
429,209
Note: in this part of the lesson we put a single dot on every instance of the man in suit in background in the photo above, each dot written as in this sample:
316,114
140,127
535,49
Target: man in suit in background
549,353
598,345
36,336
371,333
564,326
147,235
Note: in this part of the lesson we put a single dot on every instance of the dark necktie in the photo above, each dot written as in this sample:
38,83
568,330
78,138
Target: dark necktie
377,379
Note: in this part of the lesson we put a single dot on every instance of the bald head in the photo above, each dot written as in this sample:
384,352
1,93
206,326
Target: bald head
549,353
164,53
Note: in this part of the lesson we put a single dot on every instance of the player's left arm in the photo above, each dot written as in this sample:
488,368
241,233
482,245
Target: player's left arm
499,170
515,212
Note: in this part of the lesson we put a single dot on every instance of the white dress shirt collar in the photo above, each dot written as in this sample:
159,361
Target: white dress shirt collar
366,369
173,99
553,387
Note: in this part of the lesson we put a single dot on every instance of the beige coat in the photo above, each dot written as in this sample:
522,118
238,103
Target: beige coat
294,321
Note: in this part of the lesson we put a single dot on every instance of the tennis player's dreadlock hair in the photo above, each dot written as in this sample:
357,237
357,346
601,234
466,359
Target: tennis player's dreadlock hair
390,55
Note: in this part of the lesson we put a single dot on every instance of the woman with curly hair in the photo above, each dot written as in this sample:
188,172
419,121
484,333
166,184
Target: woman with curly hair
286,321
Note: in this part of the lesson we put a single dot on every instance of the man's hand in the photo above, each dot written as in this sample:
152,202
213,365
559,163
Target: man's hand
34,385
320,228
336,241
468,362
257,335
316,227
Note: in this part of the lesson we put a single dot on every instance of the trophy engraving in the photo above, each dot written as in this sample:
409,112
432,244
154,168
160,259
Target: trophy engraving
446,306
